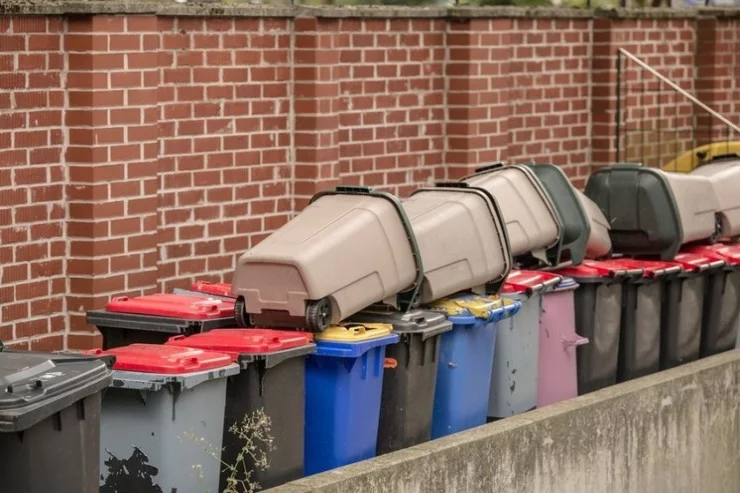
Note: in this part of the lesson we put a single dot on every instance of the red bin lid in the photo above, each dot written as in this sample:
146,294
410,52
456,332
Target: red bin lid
593,269
167,360
235,342
697,262
219,289
172,306
650,268
729,253
529,281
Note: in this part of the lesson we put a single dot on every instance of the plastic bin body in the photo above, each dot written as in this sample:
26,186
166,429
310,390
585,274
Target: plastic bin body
515,365
410,376
722,300
575,223
557,378
680,340
462,239
532,223
272,378
652,212
640,343
50,433
360,236
163,400
465,361
598,317
155,318
344,381
725,178
599,243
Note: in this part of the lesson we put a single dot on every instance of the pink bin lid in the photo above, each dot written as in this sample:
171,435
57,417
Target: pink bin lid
697,262
730,253
244,341
529,281
167,360
172,306
219,289
650,268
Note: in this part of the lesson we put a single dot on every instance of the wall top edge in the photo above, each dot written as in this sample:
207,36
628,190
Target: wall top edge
228,9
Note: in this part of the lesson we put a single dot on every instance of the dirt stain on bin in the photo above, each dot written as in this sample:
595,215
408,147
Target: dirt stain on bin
129,475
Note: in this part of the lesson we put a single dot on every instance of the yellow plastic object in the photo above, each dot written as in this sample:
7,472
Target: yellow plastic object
354,332
702,154
478,306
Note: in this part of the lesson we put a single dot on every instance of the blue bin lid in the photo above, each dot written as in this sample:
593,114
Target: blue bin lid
343,349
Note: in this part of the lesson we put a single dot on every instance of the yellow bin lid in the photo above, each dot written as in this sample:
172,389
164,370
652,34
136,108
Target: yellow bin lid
354,332
476,305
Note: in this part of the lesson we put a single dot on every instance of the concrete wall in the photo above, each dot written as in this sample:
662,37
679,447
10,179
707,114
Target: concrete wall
673,432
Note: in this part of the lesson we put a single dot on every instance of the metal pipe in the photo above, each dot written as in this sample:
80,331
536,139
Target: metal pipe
681,91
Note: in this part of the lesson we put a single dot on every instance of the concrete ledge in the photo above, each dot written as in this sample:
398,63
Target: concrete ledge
229,8
677,431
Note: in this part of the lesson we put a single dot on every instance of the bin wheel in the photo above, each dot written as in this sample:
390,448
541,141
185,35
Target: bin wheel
240,314
318,314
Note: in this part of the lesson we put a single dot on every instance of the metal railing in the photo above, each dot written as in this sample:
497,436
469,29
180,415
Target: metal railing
657,120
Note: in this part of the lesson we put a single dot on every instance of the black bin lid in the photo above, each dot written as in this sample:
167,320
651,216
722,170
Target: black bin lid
35,385
415,322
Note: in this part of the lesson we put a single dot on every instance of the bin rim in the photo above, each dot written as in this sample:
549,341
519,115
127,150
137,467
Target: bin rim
154,382
652,269
153,323
406,298
341,349
696,263
24,412
499,222
523,287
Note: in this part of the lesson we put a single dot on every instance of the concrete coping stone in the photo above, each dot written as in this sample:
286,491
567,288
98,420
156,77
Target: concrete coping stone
218,8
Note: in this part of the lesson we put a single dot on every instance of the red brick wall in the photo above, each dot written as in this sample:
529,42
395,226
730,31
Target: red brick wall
140,152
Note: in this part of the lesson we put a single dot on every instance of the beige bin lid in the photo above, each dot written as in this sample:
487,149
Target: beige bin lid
532,223
599,243
725,178
350,248
462,239
696,203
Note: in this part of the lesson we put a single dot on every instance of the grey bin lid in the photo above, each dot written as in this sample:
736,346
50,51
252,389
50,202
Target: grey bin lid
423,322
38,385
154,382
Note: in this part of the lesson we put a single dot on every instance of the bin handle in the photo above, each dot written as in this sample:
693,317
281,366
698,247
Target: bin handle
451,184
489,167
119,298
10,382
576,341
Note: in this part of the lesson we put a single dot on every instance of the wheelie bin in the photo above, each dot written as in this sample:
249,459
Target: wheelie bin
598,317
557,376
462,239
725,178
50,422
361,236
599,243
722,300
643,301
516,362
532,222
162,419
272,378
157,317
653,212
466,359
410,375
680,339
344,381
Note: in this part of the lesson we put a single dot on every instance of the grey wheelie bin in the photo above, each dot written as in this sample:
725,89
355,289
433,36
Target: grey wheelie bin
653,212
725,178
350,248
533,225
50,422
410,375
462,240
722,300
162,419
680,339
576,224
598,305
